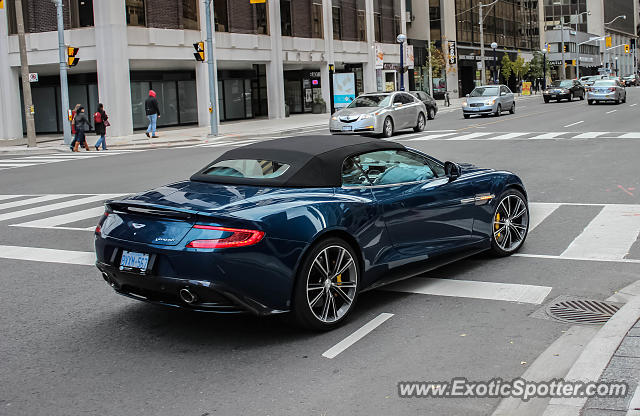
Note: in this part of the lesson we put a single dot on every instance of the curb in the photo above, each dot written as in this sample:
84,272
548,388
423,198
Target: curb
596,356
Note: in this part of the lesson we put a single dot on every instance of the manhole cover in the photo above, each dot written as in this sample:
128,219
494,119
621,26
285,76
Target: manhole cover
582,311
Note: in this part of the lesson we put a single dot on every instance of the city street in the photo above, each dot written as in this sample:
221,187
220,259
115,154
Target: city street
70,345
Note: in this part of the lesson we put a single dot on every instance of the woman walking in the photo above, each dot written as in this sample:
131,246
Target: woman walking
100,122
82,126
73,126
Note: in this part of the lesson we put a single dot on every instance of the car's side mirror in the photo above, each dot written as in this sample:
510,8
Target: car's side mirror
503,93
397,104
468,95
452,170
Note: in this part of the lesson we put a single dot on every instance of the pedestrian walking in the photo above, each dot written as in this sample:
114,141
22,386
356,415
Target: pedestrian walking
73,125
82,126
101,122
153,112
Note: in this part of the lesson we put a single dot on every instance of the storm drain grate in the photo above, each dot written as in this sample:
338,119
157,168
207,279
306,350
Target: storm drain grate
582,311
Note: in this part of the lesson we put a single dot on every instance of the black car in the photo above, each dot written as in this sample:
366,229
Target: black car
428,101
565,89
631,81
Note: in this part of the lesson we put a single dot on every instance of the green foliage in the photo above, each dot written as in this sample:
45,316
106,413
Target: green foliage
536,65
519,67
506,67
438,62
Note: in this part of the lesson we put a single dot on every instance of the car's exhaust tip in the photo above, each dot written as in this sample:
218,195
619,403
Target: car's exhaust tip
187,297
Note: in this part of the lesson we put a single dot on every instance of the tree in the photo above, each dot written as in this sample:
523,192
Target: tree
437,60
506,67
536,66
519,67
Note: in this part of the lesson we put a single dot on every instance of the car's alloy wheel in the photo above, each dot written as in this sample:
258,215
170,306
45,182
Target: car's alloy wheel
499,111
327,285
421,122
387,127
510,223
571,97
513,109
430,114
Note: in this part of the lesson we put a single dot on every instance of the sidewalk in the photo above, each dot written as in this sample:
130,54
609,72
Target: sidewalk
181,136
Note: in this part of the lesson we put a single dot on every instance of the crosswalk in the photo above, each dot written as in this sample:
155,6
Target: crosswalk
226,143
24,161
563,231
500,136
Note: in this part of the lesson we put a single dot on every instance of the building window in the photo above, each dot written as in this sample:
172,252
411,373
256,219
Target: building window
361,21
81,13
221,17
135,12
285,17
337,26
190,14
377,21
262,25
316,19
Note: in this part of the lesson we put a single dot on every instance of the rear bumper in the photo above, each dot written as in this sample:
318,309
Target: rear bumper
602,97
556,96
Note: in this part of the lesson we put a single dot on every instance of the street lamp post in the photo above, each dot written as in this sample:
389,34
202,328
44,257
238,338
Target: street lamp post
562,65
617,66
483,75
401,39
494,46
213,102
578,47
544,69
623,17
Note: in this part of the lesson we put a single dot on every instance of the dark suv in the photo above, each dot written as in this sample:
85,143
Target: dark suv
565,89
428,101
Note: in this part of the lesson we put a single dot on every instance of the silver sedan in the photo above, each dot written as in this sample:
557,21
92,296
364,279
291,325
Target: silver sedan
606,90
489,99
380,113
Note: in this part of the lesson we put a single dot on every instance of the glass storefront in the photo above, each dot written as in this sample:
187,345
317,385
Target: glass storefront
242,94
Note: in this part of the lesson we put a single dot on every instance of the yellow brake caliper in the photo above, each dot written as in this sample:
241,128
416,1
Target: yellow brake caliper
339,279
497,221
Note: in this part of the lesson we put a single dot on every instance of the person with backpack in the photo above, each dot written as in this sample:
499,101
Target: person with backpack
100,121
82,126
73,126
153,112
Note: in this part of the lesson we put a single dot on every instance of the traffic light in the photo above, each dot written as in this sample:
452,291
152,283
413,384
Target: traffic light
564,48
627,49
71,56
199,53
607,41
548,48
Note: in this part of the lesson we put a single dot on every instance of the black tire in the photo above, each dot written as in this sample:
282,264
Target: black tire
617,101
582,97
387,127
303,313
496,248
498,112
430,114
546,101
422,122
466,115
624,100
570,97
590,102
513,109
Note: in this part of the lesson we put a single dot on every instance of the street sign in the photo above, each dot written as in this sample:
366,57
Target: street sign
452,52
33,77
607,41
1,4
257,1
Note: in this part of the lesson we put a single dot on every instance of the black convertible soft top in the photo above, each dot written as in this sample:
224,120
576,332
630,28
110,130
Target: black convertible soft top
315,161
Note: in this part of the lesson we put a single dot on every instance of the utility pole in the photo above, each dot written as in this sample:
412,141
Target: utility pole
64,84
26,86
213,100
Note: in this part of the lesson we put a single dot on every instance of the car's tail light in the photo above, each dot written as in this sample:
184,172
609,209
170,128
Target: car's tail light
612,89
238,238
99,226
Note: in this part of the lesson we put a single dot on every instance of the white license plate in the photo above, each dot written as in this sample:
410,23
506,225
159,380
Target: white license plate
347,128
134,261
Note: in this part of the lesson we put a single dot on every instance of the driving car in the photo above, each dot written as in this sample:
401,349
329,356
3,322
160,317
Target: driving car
304,225
607,90
428,101
564,89
631,81
380,113
489,99
587,81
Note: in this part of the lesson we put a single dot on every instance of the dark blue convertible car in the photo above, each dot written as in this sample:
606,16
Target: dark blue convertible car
304,225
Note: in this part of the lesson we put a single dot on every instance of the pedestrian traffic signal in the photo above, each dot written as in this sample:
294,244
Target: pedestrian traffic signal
627,49
71,56
199,54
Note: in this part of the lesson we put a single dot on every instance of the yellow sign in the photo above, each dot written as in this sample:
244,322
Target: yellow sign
257,1
607,41
1,4
526,88
573,62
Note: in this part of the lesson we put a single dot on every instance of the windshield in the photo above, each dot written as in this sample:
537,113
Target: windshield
381,100
484,92
248,168
604,83
562,84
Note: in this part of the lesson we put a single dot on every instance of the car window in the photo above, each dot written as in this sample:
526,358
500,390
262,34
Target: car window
484,92
604,83
504,90
386,167
247,168
397,99
373,100
407,98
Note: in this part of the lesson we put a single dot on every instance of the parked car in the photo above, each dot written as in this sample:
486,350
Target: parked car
587,81
303,225
489,99
380,113
607,90
428,101
564,89
631,81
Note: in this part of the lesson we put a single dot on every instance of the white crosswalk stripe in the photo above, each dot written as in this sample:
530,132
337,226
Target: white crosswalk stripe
25,161
469,136
507,136
84,200
590,135
538,212
465,135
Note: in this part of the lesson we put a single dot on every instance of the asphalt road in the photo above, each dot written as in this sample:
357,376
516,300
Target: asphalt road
71,346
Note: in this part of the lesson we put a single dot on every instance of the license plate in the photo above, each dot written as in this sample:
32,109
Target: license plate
347,128
134,261
553,96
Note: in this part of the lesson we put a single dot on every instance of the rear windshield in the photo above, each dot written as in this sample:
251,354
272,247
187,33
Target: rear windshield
605,83
564,84
484,92
247,168
370,101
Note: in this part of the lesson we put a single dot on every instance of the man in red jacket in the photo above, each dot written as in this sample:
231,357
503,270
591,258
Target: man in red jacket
153,112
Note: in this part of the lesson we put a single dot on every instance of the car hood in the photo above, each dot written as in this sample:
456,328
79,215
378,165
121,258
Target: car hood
345,112
471,100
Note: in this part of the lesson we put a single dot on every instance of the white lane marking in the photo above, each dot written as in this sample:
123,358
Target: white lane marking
633,105
509,292
608,236
612,111
54,207
539,211
30,201
432,136
574,124
84,258
547,136
54,222
634,404
590,135
507,136
551,257
630,136
10,196
468,136
15,165
357,335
